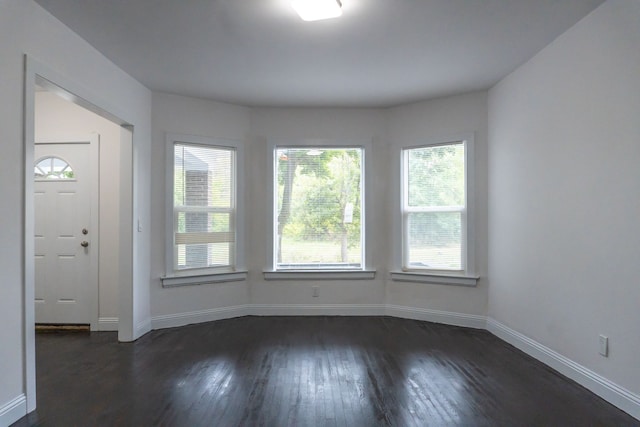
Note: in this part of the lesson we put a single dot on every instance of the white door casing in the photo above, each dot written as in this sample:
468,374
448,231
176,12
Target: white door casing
66,259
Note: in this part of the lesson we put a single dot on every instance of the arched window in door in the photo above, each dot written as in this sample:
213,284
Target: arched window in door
53,168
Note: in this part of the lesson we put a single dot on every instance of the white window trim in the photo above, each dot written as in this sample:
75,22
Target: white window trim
437,279
365,272
203,279
236,272
467,275
319,274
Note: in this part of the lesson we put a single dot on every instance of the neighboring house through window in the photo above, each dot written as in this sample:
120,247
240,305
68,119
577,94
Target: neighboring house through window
203,213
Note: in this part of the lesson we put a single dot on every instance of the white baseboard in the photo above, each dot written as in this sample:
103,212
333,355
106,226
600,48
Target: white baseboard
317,309
608,390
199,316
108,324
447,317
13,410
142,328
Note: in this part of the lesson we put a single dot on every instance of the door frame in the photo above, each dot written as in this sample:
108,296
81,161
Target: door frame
36,72
94,220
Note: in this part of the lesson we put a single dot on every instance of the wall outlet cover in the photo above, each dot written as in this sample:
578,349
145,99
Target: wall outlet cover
604,345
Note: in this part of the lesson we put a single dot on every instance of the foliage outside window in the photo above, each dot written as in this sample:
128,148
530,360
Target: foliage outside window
318,208
52,168
434,207
203,206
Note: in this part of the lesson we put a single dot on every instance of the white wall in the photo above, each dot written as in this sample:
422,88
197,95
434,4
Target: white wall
190,116
177,114
425,122
57,118
386,131
564,178
26,28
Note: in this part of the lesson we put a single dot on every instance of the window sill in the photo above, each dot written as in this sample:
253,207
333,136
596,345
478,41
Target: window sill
319,275
440,279
203,278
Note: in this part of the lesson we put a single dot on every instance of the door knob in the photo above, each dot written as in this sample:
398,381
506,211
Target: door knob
84,244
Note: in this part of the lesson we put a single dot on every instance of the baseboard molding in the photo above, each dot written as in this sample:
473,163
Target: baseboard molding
437,316
199,316
142,328
608,390
108,324
13,410
317,309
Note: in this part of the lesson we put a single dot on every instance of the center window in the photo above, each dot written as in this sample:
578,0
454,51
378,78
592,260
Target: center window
318,218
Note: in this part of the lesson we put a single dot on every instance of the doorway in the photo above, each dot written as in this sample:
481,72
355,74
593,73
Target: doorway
56,85
55,119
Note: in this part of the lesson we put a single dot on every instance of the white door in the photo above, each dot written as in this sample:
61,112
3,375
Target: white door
66,231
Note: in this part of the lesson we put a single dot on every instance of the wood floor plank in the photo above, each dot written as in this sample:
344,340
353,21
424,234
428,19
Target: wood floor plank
305,371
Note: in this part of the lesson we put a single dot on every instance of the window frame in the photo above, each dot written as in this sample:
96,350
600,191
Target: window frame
465,276
235,271
46,178
271,271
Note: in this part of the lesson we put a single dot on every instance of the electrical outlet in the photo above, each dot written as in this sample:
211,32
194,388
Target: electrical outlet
604,346
316,291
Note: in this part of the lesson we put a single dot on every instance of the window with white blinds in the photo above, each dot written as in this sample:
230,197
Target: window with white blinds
318,218
203,206
435,207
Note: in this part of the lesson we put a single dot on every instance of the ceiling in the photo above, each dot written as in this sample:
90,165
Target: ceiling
380,53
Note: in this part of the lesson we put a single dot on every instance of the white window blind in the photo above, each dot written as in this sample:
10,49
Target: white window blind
318,208
203,206
434,207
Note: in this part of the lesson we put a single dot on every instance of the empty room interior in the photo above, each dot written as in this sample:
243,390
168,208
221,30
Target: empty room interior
320,212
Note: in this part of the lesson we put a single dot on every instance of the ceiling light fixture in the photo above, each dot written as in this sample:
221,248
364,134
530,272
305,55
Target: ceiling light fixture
315,10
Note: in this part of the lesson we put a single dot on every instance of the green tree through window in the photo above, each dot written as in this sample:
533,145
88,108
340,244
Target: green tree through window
319,207
434,206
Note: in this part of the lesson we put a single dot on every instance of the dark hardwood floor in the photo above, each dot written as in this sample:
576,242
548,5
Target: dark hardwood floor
305,371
